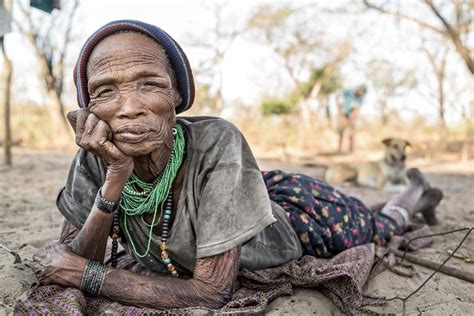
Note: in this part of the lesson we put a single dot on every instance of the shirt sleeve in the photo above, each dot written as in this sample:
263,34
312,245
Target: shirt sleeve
76,198
233,204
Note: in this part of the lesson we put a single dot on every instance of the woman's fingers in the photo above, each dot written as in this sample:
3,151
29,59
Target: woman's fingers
81,118
35,266
103,130
49,264
39,265
39,255
72,118
95,136
89,136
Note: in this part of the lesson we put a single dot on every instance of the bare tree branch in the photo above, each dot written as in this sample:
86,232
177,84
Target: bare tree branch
439,69
218,46
406,17
448,32
284,30
454,35
50,53
67,39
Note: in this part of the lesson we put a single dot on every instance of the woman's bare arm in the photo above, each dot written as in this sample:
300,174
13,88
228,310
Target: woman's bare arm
211,285
94,136
90,241
68,232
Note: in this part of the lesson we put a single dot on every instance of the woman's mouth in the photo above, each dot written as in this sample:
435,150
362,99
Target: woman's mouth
132,133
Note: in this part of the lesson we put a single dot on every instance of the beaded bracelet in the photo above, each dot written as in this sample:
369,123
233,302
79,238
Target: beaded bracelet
93,277
104,205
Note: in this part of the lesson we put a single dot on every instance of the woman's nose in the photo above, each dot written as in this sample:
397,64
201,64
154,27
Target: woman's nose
130,108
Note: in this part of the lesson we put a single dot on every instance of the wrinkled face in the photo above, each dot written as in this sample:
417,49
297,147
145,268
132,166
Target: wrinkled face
131,89
395,150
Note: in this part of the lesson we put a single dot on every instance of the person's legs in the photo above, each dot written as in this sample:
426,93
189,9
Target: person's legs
328,221
426,205
340,131
402,206
351,131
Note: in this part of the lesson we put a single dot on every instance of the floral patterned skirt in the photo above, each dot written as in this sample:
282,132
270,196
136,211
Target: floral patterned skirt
326,220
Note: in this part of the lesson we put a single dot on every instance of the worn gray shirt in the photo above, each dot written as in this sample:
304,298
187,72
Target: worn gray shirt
223,203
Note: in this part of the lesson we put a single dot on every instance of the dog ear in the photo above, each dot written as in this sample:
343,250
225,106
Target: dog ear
407,143
387,141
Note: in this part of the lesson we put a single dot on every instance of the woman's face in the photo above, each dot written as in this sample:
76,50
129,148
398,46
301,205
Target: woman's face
131,89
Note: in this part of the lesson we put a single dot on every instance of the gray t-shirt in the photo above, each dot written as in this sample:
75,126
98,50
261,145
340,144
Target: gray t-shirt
223,203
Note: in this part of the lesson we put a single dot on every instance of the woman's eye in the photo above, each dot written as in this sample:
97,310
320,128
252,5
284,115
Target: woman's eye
151,84
104,93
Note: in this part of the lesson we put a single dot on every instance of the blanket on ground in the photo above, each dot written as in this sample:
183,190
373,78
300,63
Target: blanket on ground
341,279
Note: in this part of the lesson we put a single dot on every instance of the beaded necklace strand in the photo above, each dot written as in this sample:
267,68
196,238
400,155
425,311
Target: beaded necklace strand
139,198
164,238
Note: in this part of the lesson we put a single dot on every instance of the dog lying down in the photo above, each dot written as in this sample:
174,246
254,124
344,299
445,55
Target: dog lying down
387,174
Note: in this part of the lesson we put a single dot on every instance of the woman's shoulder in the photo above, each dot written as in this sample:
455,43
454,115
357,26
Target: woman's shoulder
207,124
206,131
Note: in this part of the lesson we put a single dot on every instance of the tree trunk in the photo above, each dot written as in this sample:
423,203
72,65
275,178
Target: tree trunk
469,137
59,116
8,80
328,112
218,103
304,105
304,113
323,109
441,101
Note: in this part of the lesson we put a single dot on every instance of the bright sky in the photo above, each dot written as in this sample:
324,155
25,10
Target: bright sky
250,70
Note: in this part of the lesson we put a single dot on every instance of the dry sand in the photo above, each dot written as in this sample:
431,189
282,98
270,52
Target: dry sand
30,221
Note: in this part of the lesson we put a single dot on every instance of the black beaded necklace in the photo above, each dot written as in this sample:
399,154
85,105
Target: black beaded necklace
164,237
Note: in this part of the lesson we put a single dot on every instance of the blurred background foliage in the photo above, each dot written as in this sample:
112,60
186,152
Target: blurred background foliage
275,70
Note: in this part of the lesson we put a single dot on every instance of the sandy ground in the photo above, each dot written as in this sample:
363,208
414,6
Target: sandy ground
29,221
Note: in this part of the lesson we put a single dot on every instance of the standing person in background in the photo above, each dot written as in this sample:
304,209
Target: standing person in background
348,107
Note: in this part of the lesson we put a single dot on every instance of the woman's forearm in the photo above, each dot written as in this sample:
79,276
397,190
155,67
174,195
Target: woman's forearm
211,285
91,241
161,292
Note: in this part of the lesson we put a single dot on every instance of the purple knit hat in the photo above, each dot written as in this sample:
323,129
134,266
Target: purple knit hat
177,58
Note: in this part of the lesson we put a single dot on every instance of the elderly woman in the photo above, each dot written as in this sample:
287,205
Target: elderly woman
185,195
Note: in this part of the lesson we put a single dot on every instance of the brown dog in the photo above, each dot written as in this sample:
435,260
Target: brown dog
387,174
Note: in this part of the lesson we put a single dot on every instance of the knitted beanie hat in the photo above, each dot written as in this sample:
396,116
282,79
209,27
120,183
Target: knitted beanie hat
177,58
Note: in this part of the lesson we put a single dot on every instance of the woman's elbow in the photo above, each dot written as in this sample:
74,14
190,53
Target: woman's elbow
215,297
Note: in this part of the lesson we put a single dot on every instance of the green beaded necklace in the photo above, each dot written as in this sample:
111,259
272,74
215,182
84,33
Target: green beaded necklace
139,197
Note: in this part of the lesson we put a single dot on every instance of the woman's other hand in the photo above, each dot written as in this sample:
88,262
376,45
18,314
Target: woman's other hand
56,264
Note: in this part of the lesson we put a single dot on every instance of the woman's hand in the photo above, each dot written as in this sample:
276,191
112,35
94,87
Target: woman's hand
56,264
95,136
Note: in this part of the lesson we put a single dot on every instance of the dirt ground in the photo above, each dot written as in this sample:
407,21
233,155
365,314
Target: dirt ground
29,221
